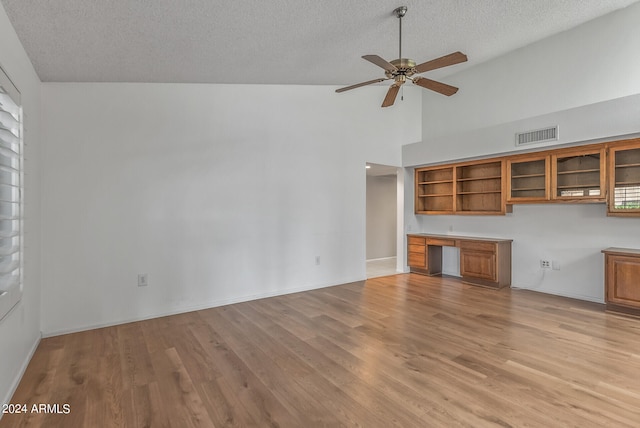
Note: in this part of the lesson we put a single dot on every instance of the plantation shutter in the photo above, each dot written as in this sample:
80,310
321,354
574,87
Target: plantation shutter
10,195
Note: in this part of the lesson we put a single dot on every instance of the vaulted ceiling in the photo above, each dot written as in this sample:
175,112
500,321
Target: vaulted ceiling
276,41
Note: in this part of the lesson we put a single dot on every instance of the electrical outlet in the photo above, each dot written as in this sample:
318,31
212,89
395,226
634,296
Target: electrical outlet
317,260
545,264
142,280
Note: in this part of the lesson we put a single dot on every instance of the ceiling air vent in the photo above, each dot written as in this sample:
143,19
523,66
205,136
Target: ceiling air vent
537,136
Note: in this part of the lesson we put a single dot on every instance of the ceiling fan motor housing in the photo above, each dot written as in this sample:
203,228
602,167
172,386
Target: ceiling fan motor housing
405,67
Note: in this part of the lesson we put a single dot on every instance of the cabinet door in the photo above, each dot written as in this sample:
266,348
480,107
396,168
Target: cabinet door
622,283
578,176
478,264
624,180
528,179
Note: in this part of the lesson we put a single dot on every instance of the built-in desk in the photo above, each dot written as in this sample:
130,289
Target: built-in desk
483,261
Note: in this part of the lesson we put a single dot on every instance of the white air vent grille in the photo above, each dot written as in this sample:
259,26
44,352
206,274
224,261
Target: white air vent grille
537,136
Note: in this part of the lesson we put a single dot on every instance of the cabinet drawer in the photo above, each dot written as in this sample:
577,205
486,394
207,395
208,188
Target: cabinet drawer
421,249
478,246
417,260
416,240
441,242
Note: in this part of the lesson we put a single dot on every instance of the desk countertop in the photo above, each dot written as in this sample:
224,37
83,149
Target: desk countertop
464,238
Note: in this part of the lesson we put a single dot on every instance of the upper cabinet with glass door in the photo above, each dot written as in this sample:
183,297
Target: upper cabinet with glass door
579,175
624,180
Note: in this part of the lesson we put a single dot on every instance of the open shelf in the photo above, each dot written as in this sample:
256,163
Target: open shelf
527,179
479,187
579,176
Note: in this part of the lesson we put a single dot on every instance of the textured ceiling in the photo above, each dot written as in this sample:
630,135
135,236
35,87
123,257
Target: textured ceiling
276,41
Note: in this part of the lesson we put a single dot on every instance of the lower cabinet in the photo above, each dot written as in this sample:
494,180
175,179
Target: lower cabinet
478,264
622,287
417,253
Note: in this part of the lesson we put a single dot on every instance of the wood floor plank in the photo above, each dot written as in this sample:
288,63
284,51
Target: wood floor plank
402,350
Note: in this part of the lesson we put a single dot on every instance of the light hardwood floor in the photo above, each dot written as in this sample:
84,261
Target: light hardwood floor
403,350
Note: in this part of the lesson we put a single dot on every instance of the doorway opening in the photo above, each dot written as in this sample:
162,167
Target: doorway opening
385,208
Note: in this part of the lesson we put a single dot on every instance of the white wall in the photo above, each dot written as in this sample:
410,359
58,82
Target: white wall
584,80
221,193
381,216
594,62
20,330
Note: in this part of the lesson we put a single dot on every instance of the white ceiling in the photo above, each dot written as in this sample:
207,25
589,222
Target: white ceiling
276,41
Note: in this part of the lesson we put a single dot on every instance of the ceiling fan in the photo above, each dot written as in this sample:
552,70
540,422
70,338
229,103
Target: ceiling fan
402,69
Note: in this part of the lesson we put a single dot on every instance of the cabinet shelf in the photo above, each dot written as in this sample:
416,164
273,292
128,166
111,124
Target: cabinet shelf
526,189
436,195
435,182
579,171
527,176
581,186
480,192
627,165
493,177
627,183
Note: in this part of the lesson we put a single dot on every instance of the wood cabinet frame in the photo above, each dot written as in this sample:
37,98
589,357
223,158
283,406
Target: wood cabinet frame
459,197
614,167
622,289
463,188
528,180
583,177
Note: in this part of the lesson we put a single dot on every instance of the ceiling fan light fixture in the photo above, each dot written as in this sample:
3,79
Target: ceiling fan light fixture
402,69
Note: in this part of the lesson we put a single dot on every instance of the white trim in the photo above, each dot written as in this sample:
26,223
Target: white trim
381,258
23,369
206,305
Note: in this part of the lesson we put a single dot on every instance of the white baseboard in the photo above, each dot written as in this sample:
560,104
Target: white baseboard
381,258
190,308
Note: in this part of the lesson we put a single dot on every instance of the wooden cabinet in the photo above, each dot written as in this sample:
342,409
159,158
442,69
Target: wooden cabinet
528,179
434,190
624,180
483,261
578,175
604,172
468,188
622,285
479,188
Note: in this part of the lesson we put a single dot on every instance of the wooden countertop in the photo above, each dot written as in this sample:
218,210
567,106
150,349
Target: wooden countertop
464,238
622,251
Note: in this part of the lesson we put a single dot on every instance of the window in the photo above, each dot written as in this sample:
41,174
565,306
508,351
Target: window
10,195
627,197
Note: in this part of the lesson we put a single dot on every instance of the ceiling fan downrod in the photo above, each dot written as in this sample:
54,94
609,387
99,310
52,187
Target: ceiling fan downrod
400,12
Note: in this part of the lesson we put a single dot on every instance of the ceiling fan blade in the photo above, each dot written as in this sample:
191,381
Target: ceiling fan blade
380,62
439,87
357,85
391,95
443,61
